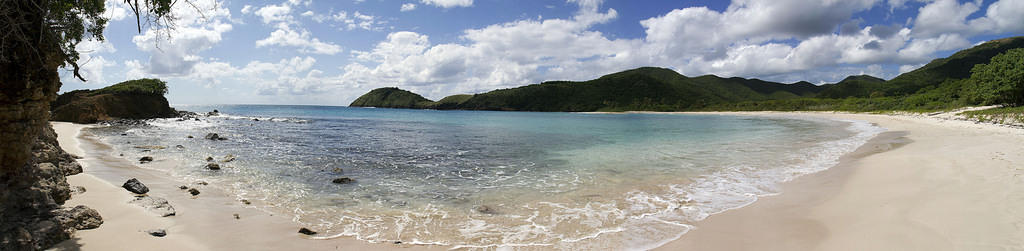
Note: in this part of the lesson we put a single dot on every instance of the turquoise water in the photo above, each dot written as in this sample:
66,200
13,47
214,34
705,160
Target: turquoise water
494,179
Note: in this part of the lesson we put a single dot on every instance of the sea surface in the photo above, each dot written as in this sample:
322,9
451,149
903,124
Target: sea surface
482,179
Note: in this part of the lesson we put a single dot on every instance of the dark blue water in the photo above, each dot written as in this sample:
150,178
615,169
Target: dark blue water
493,179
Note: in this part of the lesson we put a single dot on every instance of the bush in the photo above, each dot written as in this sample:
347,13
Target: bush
145,86
1001,81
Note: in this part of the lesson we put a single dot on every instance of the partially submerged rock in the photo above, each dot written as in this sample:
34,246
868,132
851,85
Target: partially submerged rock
156,205
485,209
228,158
213,166
214,136
306,231
133,185
193,191
343,180
145,159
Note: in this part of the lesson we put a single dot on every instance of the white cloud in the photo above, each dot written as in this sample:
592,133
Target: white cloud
943,16
303,39
448,3
198,28
408,7
275,13
246,9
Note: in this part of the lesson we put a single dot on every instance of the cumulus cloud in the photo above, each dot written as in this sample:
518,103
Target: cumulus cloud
286,36
198,28
408,7
448,3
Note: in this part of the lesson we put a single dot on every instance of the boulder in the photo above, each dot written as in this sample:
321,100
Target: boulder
214,136
193,191
145,159
343,180
79,217
213,166
157,205
133,185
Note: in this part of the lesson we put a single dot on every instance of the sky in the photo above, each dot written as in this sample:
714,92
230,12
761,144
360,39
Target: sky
319,52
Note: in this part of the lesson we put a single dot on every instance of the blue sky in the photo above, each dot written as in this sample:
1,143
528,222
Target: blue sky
330,52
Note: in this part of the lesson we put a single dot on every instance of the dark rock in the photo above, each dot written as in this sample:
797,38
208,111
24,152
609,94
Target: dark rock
79,217
190,136
214,136
183,187
156,205
255,119
237,217
209,158
193,191
244,201
157,232
343,180
145,159
133,185
213,166
124,134
397,242
306,231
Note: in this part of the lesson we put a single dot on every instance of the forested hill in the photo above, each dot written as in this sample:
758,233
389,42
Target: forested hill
937,85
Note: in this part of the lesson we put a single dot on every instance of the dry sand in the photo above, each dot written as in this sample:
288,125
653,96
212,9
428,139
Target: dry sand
927,184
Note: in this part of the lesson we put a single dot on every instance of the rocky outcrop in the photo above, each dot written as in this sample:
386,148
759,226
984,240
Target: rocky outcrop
85,107
31,216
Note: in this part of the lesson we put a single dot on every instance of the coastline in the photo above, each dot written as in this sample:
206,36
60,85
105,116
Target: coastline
927,183
204,222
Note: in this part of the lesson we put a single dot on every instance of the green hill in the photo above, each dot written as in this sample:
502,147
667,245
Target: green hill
938,85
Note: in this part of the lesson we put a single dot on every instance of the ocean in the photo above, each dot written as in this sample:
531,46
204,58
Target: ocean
484,179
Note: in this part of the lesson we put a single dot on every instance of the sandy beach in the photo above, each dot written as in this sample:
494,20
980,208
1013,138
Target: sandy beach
204,222
926,184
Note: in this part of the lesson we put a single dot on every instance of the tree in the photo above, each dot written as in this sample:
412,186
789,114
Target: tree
1001,81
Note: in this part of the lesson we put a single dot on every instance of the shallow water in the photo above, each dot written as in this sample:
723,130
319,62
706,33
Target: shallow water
494,179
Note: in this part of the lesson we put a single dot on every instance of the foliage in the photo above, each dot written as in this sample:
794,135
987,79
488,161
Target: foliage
43,30
391,97
1002,115
145,86
999,82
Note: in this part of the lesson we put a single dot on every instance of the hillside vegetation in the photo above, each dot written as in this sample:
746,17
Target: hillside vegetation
990,73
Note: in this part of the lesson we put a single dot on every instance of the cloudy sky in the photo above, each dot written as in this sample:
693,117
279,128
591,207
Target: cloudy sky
330,52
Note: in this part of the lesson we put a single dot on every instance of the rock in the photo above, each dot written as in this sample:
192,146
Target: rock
397,242
338,170
86,107
228,158
244,201
133,185
306,231
209,158
237,217
214,136
485,209
145,159
190,136
179,146
213,166
255,119
75,190
202,183
156,205
79,217
157,232
193,191
343,180
183,187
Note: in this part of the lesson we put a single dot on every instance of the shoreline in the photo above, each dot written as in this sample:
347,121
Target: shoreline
929,183
203,222
794,219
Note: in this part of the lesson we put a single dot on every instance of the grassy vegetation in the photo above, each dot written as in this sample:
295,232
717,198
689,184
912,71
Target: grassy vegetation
145,86
391,97
1003,115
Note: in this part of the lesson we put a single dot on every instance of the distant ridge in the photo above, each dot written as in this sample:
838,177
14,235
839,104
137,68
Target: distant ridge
660,89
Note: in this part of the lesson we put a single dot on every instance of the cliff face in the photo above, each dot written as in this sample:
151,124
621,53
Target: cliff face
87,107
31,216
